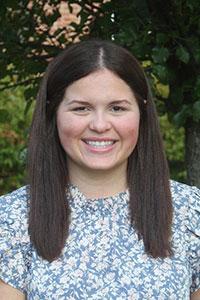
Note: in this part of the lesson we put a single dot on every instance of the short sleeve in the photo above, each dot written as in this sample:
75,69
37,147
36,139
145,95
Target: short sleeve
193,226
14,242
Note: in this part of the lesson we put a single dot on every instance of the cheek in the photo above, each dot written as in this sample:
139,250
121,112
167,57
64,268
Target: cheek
66,132
129,130
68,129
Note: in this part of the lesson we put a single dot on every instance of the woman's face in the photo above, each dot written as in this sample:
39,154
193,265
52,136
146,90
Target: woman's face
98,122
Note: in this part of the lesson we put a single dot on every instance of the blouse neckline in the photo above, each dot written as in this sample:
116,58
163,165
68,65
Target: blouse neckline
78,199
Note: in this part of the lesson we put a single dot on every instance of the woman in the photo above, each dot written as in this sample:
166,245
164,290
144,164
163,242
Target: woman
100,218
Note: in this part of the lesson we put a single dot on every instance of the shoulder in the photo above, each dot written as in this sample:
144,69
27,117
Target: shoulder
184,195
14,207
14,237
17,197
178,188
186,206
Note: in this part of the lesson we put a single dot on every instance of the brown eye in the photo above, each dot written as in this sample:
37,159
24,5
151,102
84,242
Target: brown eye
80,109
117,108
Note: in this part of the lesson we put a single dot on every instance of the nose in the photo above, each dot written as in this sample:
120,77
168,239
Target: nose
99,122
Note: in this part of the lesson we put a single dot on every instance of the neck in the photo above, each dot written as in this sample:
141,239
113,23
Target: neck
99,183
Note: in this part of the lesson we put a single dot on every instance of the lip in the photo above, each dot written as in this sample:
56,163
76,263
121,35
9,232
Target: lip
98,139
102,150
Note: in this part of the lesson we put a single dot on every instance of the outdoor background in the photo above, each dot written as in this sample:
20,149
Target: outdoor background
163,35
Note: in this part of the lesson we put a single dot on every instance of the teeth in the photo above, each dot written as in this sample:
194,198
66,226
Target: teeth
102,144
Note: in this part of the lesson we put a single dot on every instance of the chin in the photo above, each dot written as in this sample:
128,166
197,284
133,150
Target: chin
103,167
99,168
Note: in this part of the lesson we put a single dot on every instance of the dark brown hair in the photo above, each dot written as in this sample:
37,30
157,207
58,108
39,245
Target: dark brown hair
147,174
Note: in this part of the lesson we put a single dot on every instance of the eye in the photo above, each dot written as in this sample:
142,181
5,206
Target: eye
118,108
80,109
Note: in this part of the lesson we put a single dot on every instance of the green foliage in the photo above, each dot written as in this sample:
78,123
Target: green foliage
182,54
174,146
14,126
160,55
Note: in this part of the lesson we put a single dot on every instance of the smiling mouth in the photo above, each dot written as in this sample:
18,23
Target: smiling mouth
99,144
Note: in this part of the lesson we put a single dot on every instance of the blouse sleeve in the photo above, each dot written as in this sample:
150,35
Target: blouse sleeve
193,226
13,241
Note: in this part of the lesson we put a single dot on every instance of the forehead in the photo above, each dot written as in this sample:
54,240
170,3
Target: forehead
102,83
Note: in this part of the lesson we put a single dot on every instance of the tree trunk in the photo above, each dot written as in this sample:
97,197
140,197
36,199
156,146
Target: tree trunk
192,152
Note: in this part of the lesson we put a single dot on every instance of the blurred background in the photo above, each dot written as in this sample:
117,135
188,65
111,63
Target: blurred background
163,35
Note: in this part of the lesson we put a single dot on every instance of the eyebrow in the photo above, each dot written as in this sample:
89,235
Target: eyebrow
120,101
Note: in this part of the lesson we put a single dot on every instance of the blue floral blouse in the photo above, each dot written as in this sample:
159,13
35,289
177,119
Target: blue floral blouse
102,258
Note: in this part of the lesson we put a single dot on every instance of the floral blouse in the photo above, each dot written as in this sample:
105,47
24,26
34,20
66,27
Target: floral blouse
102,258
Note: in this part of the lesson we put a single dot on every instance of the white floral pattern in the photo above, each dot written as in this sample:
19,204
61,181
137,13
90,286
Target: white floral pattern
102,258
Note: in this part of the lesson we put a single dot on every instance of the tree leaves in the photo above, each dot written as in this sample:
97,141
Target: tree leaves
196,111
4,115
161,73
183,54
14,128
160,55
181,117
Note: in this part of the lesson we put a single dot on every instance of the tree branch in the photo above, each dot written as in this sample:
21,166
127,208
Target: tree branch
27,81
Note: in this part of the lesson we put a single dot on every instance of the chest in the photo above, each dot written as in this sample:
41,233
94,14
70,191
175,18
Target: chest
103,259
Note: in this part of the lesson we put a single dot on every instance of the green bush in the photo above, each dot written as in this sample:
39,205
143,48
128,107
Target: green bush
14,127
174,146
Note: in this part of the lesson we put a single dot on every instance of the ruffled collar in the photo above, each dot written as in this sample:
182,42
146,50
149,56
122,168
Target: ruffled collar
77,199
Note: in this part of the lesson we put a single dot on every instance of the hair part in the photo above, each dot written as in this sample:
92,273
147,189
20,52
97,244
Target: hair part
147,173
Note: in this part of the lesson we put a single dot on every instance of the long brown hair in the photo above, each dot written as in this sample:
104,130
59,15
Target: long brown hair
147,173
